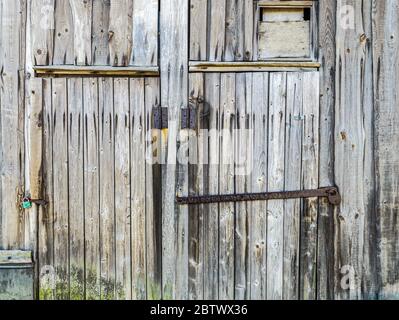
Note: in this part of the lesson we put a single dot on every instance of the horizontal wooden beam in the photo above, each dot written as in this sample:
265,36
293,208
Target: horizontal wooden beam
15,257
285,4
199,66
95,71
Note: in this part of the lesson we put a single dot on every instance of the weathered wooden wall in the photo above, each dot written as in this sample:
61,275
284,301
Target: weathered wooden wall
112,228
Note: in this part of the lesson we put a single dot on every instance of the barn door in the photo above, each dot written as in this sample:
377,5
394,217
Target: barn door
251,125
256,93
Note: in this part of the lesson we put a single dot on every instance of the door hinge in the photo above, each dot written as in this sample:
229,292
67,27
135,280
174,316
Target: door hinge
331,193
160,118
189,118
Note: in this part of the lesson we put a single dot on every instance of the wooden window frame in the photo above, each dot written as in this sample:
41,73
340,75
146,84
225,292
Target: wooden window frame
292,4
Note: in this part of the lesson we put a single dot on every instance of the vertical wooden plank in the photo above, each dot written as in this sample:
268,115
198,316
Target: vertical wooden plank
122,188
174,95
243,169
107,188
249,25
386,57
12,57
153,189
46,216
42,31
275,209
82,14
198,29
145,33
326,222
60,187
216,32
227,210
310,180
63,34
234,45
137,108
76,190
120,32
100,47
91,189
353,157
197,154
293,166
33,167
258,248
211,215
33,97
153,205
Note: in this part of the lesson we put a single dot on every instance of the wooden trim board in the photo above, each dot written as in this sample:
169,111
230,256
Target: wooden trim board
264,66
95,71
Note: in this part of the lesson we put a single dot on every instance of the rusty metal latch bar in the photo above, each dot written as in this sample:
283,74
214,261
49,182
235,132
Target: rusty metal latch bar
331,193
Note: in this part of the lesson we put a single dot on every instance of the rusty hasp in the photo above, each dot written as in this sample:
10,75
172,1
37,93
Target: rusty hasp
331,193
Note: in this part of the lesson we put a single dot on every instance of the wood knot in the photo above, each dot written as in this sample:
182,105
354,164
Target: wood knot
363,38
110,35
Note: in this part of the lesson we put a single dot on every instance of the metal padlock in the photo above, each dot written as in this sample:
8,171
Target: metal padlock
26,203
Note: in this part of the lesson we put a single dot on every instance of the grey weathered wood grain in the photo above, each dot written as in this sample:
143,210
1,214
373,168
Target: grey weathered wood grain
242,169
33,167
226,183
99,43
91,189
46,216
120,32
63,34
276,171
60,188
216,33
197,152
249,31
198,29
325,255
292,181
310,180
11,120
211,217
357,144
82,14
42,30
76,189
107,189
138,187
122,188
234,45
145,33
174,89
385,76
153,195
258,247
351,133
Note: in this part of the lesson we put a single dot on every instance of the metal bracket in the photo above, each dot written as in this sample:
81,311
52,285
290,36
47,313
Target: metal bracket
189,118
160,118
331,193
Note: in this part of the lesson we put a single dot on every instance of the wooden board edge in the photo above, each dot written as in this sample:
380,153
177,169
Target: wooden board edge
95,71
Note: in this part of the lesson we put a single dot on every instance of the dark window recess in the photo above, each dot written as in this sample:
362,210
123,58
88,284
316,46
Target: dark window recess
307,14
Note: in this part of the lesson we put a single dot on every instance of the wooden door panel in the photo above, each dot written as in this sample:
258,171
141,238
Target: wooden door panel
99,235
266,123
